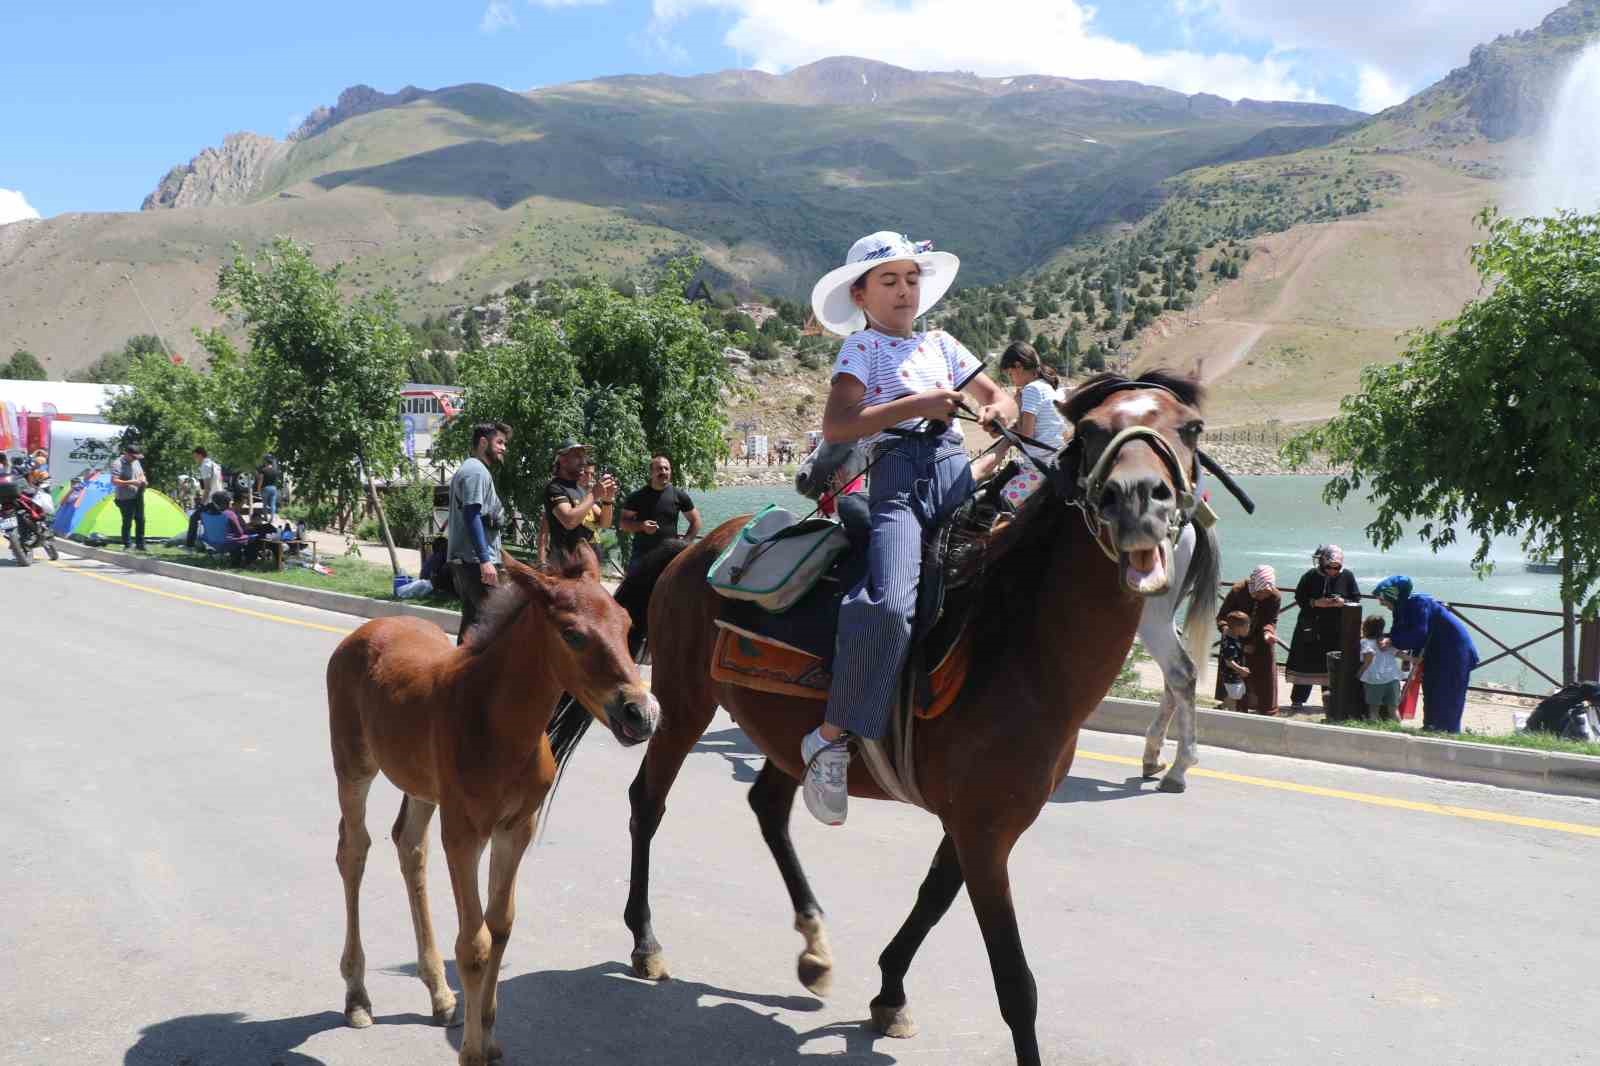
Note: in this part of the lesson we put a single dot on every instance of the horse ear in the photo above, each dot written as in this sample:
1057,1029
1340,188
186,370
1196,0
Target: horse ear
590,560
515,566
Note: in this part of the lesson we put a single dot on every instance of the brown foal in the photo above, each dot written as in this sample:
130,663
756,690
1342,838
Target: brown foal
1058,618
465,730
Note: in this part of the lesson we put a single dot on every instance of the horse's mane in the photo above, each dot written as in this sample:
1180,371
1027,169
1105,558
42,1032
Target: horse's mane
502,607
1093,392
1013,561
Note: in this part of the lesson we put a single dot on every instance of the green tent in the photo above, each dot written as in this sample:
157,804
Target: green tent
162,519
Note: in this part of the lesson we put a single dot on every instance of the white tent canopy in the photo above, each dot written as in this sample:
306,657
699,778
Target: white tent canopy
79,401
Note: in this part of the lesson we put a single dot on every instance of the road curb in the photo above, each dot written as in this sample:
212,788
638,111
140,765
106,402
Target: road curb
1558,773
338,602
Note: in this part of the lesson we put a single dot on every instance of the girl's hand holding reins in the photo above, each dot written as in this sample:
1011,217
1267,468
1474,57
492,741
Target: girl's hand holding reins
990,416
938,404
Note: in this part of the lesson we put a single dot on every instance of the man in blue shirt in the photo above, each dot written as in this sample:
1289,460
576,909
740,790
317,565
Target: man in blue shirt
476,516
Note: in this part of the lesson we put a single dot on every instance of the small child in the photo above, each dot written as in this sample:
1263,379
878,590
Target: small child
1380,671
1231,658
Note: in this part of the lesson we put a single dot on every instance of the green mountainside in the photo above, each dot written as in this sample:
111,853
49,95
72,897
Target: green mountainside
445,195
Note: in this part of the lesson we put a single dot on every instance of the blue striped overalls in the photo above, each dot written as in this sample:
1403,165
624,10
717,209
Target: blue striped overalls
916,485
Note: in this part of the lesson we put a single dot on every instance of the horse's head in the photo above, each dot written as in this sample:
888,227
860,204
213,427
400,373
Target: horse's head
581,633
1134,461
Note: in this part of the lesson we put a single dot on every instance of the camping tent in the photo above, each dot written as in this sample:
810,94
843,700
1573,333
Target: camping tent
162,517
76,501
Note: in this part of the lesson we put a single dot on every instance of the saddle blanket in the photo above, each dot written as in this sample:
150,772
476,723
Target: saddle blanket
755,661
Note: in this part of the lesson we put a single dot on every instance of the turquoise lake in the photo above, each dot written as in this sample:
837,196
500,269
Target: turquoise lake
1290,521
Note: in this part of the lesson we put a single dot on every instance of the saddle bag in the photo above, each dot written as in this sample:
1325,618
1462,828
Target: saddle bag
776,559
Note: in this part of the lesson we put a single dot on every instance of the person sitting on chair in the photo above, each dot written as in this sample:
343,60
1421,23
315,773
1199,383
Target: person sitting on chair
221,530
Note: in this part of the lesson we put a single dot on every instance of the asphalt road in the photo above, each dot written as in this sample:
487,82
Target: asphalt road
167,829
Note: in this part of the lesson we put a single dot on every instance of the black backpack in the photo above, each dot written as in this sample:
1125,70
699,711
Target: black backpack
1569,713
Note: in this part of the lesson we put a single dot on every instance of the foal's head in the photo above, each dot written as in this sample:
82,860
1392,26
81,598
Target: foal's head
563,618
1139,485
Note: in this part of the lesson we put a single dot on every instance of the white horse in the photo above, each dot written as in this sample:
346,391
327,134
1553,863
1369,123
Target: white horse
1194,574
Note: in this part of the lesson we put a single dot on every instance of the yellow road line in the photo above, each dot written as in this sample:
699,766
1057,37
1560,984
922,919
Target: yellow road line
204,603
1447,810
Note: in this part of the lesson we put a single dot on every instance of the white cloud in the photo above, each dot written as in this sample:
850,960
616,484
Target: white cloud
14,207
1376,91
1408,41
498,16
997,37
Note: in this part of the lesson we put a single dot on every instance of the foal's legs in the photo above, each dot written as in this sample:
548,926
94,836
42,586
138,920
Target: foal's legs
506,849
938,891
463,847
411,842
352,861
683,721
772,798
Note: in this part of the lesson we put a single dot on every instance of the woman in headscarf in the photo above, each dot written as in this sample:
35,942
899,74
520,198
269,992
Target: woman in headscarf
1256,596
1425,627
1321,595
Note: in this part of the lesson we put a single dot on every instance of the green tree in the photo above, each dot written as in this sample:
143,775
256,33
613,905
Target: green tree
23,366
1020,330
1488,420
327,373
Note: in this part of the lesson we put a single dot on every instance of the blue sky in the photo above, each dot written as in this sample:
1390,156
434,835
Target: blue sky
99,98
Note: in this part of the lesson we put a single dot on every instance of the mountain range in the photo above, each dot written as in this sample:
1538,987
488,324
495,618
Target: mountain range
447,194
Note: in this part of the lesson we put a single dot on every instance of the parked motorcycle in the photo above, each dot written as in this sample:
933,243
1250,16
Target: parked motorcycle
23,522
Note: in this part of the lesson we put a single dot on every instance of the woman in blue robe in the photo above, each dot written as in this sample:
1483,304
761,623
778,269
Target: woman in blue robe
1424,626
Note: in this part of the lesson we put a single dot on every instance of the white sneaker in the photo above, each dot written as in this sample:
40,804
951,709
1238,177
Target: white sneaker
827,788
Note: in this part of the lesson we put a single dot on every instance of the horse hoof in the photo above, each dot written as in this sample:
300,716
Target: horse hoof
444,1013
1153,770
893,1022
651,967
815,974
1169,784
358,1017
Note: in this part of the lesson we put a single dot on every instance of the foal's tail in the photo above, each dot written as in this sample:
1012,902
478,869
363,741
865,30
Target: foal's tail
1200,585
571,720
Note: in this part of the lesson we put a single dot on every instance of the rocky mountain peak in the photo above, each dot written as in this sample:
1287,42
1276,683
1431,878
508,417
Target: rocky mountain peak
217,176
356,100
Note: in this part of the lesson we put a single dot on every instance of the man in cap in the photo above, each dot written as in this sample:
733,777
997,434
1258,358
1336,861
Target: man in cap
567,503
127,474
476,515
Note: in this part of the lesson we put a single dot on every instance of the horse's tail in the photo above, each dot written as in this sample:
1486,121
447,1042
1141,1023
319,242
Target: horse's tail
1200,585
571,719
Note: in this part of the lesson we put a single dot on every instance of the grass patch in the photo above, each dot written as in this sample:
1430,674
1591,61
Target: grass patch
1535,741
353,577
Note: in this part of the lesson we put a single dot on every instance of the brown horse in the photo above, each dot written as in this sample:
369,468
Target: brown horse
465,730
1055,623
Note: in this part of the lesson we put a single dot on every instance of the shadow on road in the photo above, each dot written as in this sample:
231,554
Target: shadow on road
742,755
602,1015
1093,790
203,1039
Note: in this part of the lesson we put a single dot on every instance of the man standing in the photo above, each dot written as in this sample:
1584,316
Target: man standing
475,520
567,503
208,477
651,513
267,484
127,474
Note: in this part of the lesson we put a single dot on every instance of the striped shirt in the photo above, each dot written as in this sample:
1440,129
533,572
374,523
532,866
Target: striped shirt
891,367
1039,400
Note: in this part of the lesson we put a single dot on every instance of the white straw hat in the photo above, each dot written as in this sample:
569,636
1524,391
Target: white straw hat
830,298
